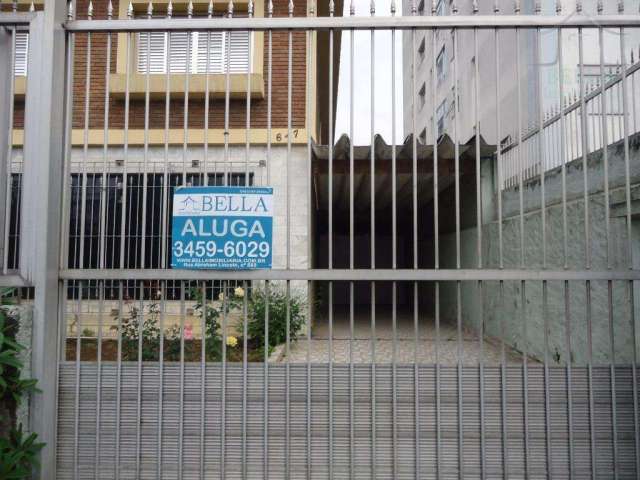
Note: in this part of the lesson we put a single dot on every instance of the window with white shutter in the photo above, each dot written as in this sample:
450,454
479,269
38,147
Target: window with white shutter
191,49
22,48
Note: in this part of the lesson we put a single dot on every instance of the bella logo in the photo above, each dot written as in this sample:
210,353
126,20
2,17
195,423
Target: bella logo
223,203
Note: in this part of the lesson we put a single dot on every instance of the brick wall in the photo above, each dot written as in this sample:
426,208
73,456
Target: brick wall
237,110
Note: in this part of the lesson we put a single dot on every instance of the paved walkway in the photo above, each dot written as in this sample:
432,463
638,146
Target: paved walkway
445,354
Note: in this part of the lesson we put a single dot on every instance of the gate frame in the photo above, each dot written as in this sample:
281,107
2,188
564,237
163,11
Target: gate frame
44,144
47,105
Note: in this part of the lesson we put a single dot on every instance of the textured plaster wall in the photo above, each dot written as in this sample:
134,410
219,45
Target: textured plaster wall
523,327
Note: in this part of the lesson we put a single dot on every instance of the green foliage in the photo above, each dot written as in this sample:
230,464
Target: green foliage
146,324
131,330
277,302
11,385
87,332
18,454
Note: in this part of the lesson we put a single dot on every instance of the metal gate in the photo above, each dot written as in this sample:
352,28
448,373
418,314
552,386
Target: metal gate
455,297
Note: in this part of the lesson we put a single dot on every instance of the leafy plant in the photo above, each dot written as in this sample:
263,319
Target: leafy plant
18,454
11,384
131,329
130,332
277,301
87,332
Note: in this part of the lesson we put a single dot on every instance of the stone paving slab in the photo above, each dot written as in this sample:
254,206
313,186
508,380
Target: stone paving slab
359,349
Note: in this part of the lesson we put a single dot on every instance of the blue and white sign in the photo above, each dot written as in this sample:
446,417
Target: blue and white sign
222,228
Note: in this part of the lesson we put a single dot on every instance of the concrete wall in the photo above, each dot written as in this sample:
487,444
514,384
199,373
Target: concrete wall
504,316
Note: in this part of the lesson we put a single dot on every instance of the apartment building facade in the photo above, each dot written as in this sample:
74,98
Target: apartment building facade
152,111
437,110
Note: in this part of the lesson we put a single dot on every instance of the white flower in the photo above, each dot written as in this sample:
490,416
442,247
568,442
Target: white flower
239,292
221,296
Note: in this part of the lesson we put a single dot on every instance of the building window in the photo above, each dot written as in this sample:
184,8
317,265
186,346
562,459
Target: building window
421,8
421,50
440,8
22,48
422,96
189,50
441,113
423,136
134,234
441,65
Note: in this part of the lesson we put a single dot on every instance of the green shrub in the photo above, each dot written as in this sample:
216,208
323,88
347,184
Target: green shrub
277,301
18,455
12,386
87,332
130,330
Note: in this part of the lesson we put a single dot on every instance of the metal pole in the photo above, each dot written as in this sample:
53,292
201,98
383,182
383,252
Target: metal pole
44,141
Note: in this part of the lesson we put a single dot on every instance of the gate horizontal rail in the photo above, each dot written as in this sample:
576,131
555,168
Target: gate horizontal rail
354,23
373,275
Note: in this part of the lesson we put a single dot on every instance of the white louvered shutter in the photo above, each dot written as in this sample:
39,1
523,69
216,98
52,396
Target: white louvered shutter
178,54
215,41
21,54
152,48
238,46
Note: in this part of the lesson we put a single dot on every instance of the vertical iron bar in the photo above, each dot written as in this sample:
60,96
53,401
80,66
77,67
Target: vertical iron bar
499,159
605,144
166,177
123,215
525,379
267,293
414,190
592,421
145,150
205,147
104,191
140,319
310,309
612,373
373,251
119,379
456,148
85,147
569,379
331,416
563,149
77,290
267,285
99,379
394,255
162,293
476,110
585,149
288,243
436,241
245,365
181,391
541,146
351,250
223,401
547,398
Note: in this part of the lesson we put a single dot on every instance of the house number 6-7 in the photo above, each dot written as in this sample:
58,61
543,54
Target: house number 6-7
281,136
